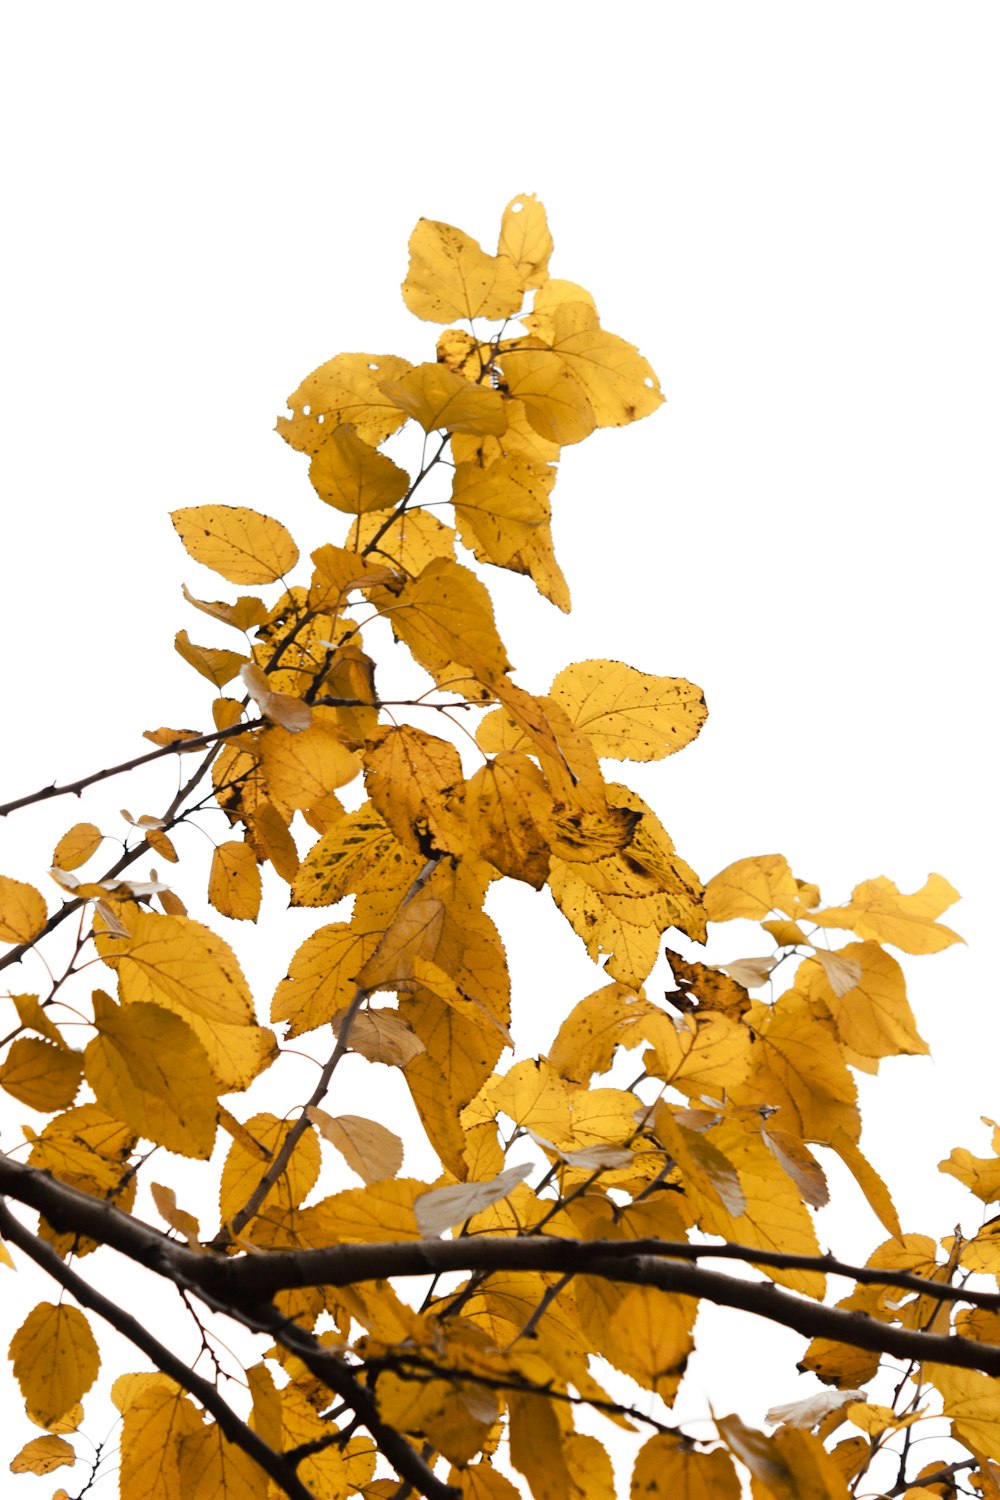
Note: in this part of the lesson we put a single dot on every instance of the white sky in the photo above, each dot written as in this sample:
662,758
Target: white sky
791,208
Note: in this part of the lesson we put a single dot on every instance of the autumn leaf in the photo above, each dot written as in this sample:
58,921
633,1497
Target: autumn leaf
441,400
444,1207
352,476
450,278
669,1464
55,1360
22,911
752,888
880,912
498,509
525,239
76,846
234,886
216,663
148,1067
555,403
620,385
241,544
43,1076
629,715
346,389
42,1455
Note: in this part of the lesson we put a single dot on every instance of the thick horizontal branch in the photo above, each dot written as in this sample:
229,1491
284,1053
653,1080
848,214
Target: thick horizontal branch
236,1283
234,1428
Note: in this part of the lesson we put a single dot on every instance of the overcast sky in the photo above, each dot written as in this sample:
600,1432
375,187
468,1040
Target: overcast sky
790,208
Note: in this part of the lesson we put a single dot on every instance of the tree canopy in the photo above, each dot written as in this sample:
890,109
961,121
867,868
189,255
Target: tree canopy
361,1329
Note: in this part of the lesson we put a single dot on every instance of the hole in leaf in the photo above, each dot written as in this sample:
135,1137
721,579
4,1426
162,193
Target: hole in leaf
649,382
373,366
515,208
306,411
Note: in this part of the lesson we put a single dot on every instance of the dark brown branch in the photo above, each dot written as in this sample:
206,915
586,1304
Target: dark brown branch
234,1284
939,1476
232,1426
176,747
339,1376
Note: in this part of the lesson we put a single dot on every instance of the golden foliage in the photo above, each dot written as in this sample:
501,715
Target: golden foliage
706,1105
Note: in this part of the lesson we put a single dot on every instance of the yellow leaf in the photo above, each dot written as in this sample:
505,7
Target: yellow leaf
873,1017
55,1360
774,1216
240,544
413,779
509,810
244,1167
536,1448
23,912
147,1067
627,714
704,1055
369,1149
358,854
368,1215
801,1166
981,1174
41,1075
586,1041
620,385
412,540
269,831
441,400
798,1069
650,1339
87,1148
792,1465
868,1181
301,768
218,665
339,570
445,617
482,1482
537,558
35,1018
158,841
244,614
972,1401
455,1417
42,1455
752,888
881,912
533,1096
177,962
525,238
541,727
156,1418
322,977
234,886
554,401
450,278
76,846
709,1177
292,713
345,389
786,934
211,1467
668,1465
178,1218
352,476
498,509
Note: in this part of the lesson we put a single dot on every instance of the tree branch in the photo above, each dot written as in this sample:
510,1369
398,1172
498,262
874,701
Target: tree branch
230,1424
338,1375
176,747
